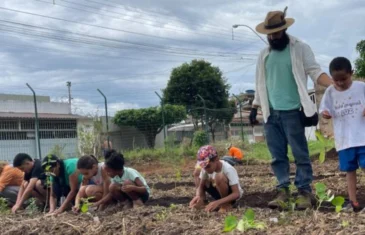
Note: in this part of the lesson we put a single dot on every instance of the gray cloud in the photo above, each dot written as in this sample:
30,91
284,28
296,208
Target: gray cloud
130,67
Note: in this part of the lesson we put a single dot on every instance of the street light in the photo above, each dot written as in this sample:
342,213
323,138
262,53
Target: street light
238,25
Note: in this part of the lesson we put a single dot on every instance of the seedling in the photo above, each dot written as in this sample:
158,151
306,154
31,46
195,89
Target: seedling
4,205
32,207
323,195
178,176
246,223
48,174
323,141
85,204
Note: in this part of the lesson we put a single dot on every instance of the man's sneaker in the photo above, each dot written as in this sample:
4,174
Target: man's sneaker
352,207
281,199
304,200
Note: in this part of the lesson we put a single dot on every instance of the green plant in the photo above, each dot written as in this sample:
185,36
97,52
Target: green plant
323,194
345,223
32,208
58,151
85,204
246,223
200,138
4,208
323,148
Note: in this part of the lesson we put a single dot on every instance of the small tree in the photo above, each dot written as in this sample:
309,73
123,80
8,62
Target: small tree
90,137
149,120
360,62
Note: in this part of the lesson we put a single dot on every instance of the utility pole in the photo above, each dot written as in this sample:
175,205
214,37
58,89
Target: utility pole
69,96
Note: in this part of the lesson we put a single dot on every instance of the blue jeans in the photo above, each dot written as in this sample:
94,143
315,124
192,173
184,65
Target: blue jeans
283,128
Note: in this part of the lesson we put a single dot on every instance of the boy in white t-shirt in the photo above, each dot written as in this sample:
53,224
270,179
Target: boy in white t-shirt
219,179
344,102
127,184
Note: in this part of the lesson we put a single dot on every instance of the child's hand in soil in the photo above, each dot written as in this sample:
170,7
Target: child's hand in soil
326,115
212,206
196,200
76,209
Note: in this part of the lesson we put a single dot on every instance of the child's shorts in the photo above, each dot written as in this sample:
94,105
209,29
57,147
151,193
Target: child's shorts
352,158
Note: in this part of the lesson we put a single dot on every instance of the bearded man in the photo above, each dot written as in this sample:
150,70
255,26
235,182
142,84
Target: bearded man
281,92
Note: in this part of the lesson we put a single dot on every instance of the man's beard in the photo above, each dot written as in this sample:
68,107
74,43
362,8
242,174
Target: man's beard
279,44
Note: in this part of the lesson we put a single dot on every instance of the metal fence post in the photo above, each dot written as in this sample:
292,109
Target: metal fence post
106,116
206,117
38,142
163,116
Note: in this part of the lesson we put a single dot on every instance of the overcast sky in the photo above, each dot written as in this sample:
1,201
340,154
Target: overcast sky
127,48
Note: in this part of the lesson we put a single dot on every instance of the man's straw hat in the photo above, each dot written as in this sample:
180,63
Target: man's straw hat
275,21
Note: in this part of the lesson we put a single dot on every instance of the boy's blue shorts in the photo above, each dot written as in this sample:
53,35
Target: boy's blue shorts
352,158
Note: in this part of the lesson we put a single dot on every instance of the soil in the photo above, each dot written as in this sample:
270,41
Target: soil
160,217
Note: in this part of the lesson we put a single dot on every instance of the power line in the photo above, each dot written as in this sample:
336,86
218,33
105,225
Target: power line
153,46
141,22
159,14
34,33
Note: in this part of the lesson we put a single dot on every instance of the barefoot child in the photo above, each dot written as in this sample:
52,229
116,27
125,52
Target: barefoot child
219,179
65,181
127,183
93,172
33,180
344,102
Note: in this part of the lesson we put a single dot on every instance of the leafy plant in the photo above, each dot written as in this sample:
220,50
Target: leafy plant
246,223
323,141
230,223
85,204
200,138
4,208
323,195
149,120
32,208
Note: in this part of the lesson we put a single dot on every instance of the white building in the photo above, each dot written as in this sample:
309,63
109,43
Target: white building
57,126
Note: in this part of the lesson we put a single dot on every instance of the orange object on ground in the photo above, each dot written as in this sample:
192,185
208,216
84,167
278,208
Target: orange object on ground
236,153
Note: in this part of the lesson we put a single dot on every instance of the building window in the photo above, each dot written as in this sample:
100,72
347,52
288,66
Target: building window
9,125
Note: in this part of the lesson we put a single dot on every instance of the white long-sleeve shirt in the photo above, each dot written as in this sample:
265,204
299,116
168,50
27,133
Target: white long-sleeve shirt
303,64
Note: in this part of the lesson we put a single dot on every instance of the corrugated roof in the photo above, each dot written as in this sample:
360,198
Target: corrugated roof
40,116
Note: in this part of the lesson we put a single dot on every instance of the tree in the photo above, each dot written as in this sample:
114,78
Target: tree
360,62
200,78
149,120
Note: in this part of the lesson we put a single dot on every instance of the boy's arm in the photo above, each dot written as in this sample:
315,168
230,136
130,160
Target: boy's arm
326,103
20,193
52,201
231,197
139,187
28,190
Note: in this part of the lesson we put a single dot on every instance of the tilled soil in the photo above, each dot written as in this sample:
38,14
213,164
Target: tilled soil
167,210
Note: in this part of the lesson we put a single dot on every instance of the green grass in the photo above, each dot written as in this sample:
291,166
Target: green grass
170,154
260,151
257,152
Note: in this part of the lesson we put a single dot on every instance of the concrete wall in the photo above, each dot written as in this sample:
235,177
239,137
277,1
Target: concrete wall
28,107
9,148
40,98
